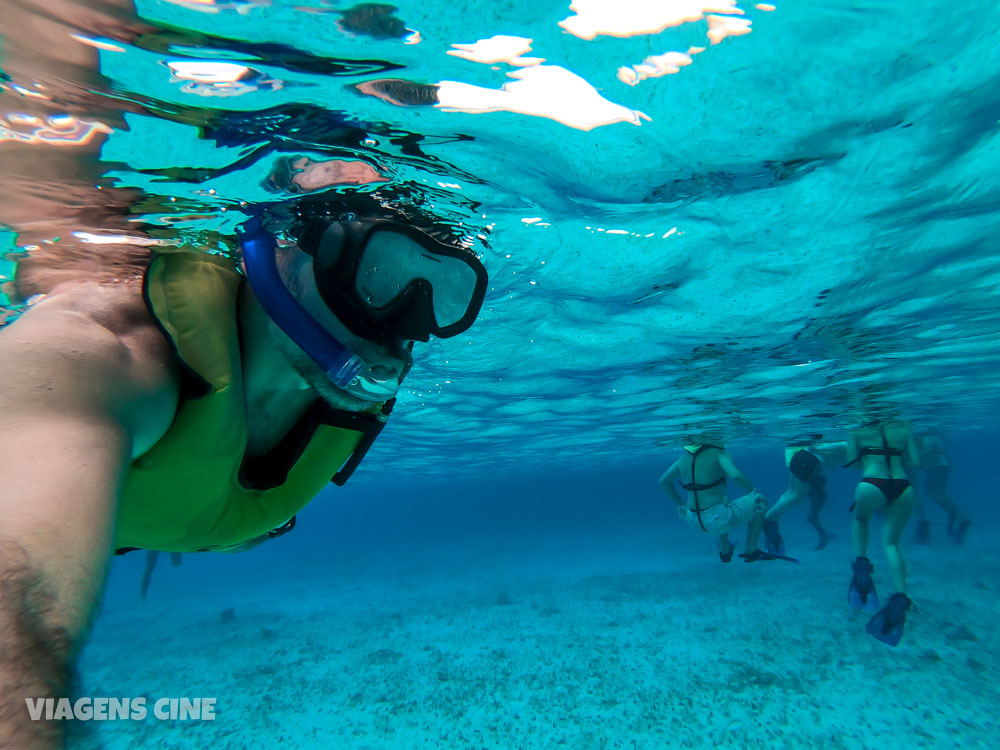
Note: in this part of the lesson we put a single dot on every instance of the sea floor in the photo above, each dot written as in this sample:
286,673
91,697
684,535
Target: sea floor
633,640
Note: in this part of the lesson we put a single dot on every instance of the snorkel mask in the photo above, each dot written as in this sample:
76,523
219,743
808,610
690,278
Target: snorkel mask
386,281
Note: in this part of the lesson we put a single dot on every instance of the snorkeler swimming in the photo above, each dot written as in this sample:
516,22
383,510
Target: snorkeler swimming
881,447
706,508
937,470
805,479
693,487
240,396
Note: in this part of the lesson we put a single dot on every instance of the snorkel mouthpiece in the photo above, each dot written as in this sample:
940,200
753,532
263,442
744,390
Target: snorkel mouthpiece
368,387
343,367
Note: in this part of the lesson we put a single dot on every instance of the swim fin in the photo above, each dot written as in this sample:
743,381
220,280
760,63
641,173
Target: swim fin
861,592
759,555
727,556
887,625
775,544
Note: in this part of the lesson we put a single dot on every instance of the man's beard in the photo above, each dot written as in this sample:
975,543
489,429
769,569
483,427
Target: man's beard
309,371
313,374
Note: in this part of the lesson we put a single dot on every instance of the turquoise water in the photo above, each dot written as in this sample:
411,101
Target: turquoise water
827,179
793,232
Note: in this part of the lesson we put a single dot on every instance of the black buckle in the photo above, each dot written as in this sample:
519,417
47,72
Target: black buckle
369,425
283,529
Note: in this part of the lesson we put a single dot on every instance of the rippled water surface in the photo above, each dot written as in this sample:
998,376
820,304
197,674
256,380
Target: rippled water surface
698,215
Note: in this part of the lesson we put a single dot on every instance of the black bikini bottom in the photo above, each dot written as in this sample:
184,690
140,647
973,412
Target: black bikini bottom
891,488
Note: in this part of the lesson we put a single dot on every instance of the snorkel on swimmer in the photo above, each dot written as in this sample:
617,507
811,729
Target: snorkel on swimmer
344,368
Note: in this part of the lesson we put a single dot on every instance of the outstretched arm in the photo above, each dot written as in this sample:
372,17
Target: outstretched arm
726,462
77,401
852,450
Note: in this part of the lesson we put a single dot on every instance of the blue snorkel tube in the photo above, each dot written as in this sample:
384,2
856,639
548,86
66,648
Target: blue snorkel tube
344,368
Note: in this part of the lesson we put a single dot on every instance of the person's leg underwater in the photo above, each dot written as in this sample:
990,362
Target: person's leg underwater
861,592
818,497
754,516
796,493
937,490
726,547
887,624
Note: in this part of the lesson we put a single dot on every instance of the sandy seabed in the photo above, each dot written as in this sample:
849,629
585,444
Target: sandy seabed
635,641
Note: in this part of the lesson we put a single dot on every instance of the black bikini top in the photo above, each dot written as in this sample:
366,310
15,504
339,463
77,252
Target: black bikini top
694,487
885,451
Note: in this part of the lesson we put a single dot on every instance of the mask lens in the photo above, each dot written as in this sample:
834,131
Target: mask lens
392,261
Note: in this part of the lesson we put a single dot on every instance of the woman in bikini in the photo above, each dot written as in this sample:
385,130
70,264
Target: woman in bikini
881,448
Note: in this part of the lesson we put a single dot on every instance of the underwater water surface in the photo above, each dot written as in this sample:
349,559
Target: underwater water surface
759,221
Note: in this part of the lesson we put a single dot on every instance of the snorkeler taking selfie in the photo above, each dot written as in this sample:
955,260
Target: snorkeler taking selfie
200,408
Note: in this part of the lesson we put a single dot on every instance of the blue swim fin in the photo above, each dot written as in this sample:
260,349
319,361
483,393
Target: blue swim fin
887,625
861,592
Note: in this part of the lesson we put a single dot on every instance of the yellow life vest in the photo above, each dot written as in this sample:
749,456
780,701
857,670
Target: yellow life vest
190,492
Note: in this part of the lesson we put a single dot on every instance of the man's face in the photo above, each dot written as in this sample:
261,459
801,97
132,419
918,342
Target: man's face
385,361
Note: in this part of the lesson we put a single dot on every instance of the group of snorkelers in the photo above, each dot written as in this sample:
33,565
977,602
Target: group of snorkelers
884,451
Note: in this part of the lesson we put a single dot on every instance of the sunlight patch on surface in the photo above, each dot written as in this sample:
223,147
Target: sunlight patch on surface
207,71
542,91
500,48
213,78
625,18
720,27
655,66
602,17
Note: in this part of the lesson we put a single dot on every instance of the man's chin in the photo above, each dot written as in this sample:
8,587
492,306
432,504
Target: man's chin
317,380
331,394
338,399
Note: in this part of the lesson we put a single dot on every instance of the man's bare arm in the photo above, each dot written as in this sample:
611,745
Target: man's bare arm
77,401
727,465
670,476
